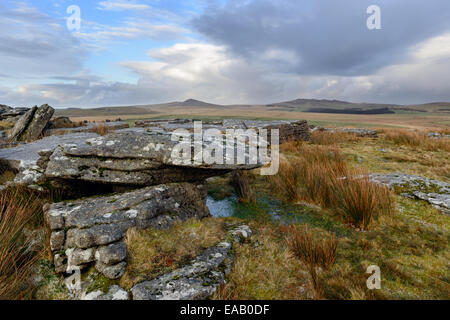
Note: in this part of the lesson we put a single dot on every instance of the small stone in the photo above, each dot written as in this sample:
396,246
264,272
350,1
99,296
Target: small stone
111,272
78,257
60,262
57,240
111,254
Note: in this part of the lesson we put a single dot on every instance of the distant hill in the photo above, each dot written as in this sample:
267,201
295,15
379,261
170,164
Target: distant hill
196,103
333,106
337,106
298,105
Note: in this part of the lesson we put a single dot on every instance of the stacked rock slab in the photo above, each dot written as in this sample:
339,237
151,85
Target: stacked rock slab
32,124
91,231
288,129
133,159
10,114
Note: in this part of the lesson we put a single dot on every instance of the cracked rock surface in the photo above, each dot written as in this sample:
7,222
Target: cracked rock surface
435,192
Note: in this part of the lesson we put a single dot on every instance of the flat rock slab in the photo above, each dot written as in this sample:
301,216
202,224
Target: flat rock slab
29,152
199,279
116,125
136,158
359,132
435,192
288,129
90,231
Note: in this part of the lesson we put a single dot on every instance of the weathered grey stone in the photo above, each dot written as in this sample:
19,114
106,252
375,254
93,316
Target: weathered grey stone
114,293
136,159
288,129
38,123
184,200
111,254
55,219
97,235
57,240
60,122
22,124
60,262
435,192
111,272
58,128
93,226
80,257
197,280
359,132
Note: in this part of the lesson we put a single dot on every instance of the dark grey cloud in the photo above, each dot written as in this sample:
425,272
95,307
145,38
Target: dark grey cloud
329,37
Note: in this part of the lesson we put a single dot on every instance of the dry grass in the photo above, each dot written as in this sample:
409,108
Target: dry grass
240,180
320,175
314,252
265,269
152,252
360,200
6,125
18,211
327,138
102,129
306,176
416,139
291,146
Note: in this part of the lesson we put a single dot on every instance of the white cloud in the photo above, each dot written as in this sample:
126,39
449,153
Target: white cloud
133,29
121,5
210,72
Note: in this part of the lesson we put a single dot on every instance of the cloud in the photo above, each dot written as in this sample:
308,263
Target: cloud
249,52
121,5
132,29
33,44
324,37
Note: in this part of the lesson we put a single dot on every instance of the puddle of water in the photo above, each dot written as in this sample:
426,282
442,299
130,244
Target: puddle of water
264,208
221,208
267,209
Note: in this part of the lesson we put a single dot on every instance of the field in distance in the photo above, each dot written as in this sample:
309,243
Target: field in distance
320,112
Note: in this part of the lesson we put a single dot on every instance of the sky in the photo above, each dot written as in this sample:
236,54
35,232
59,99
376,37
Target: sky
130,52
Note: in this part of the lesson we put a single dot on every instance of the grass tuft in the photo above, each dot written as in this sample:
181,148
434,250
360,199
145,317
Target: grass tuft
416,139
102,129
241,182
327,138
18,213
315,253
320,175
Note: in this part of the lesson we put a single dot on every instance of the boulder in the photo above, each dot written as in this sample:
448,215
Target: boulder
288,129
90,231
10,114
134,158
60,122
359,132
37,125
22,124
31,125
